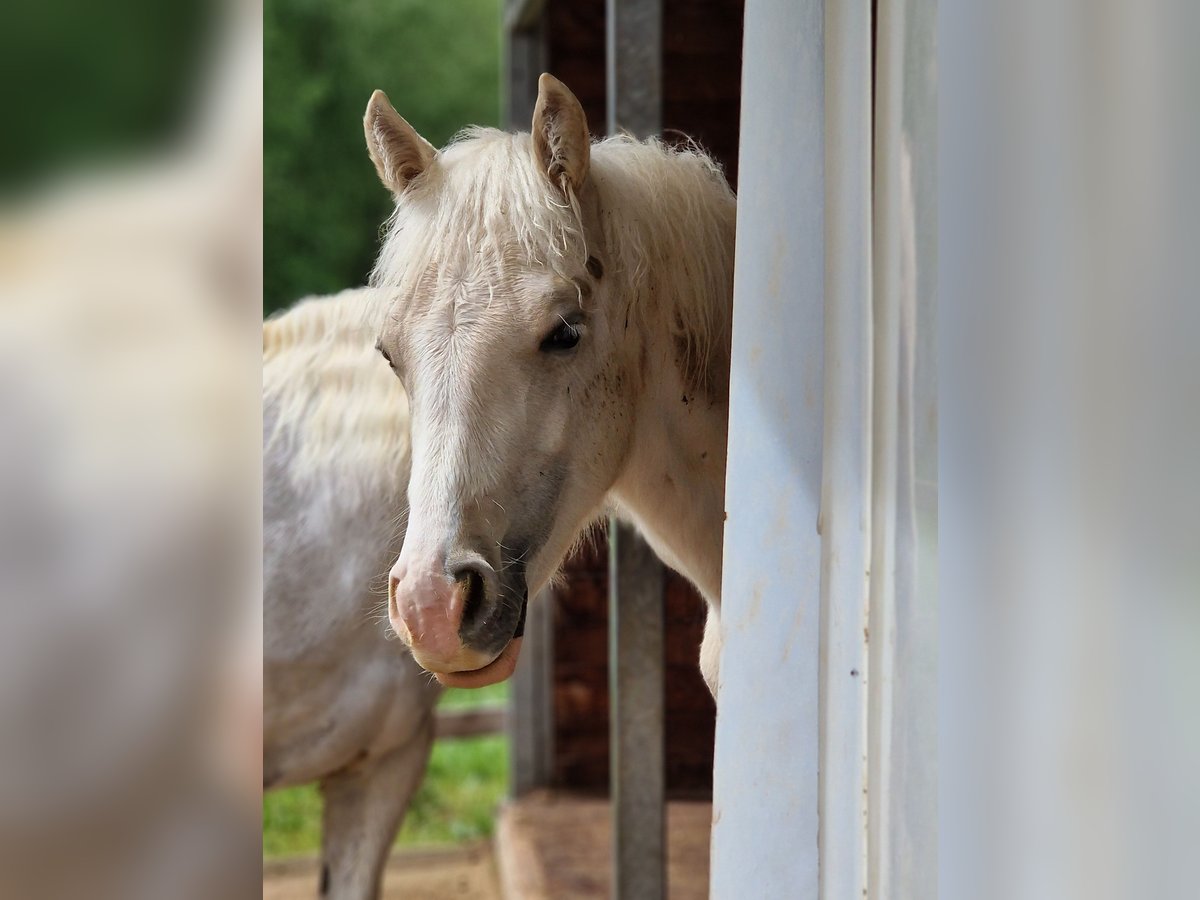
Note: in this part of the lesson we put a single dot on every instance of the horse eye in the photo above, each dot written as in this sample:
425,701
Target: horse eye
564,337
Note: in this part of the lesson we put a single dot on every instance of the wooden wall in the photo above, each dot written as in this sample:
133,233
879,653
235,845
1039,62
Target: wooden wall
702,68
575,54
581,682
702,75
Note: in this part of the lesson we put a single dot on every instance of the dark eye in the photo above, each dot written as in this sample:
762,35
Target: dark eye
382,352
564,337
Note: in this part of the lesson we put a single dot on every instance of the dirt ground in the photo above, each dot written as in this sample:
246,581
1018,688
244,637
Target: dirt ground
556,846
552,847
455,873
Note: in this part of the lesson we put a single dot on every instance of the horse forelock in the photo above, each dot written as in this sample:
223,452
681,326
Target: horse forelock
480,213
660,219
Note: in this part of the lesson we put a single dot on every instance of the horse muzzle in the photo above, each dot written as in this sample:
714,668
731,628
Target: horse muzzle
460,623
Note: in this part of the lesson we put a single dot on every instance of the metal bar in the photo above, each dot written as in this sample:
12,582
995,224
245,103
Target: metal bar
531,709
766,776
637,756
633,36
524,61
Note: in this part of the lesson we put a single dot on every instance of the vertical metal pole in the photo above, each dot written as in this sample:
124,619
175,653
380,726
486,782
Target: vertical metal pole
636,687
634,66
634,81
524,60
531,707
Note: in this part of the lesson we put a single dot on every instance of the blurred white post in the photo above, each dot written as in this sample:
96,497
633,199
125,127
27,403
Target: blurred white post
902,712
636,663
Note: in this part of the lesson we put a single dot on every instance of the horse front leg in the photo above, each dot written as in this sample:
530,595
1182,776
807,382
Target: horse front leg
364,806
710,650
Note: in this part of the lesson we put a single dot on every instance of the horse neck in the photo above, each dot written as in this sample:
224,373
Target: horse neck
672,487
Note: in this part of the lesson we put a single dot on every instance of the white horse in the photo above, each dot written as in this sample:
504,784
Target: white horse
559,313
341,706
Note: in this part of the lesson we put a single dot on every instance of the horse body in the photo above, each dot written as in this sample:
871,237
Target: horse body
560,314
341,706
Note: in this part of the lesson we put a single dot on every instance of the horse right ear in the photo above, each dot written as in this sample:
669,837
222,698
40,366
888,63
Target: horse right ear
399,153
561,142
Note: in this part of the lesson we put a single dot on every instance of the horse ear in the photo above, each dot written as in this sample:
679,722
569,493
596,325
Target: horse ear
399,153
561,142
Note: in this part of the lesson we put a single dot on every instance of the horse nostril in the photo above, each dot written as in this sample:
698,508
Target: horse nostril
474,595
393,584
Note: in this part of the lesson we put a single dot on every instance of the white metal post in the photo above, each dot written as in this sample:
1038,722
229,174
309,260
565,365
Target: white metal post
765,823
846,467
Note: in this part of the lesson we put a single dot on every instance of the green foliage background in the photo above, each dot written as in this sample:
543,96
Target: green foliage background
85,85
438,61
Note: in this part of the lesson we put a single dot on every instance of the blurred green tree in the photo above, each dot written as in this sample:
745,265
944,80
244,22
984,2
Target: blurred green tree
438,61
87,85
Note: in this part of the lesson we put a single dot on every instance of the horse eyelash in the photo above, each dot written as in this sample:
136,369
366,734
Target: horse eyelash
383,352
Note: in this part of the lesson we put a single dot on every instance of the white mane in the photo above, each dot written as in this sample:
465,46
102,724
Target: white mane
332,394
666,218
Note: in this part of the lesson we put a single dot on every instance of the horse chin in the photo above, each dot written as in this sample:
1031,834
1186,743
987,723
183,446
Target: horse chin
494,672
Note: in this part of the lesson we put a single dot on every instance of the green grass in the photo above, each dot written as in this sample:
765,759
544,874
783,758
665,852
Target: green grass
458,698
465,781
292,821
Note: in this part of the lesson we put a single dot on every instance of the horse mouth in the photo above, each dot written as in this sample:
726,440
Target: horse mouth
499,669
520,629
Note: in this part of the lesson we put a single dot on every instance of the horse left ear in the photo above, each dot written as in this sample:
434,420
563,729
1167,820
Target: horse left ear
399,153
561,143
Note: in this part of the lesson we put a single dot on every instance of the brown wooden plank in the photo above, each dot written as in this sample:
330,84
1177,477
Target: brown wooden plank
466,723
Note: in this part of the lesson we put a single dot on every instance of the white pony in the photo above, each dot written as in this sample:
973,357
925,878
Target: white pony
559,313
340,705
